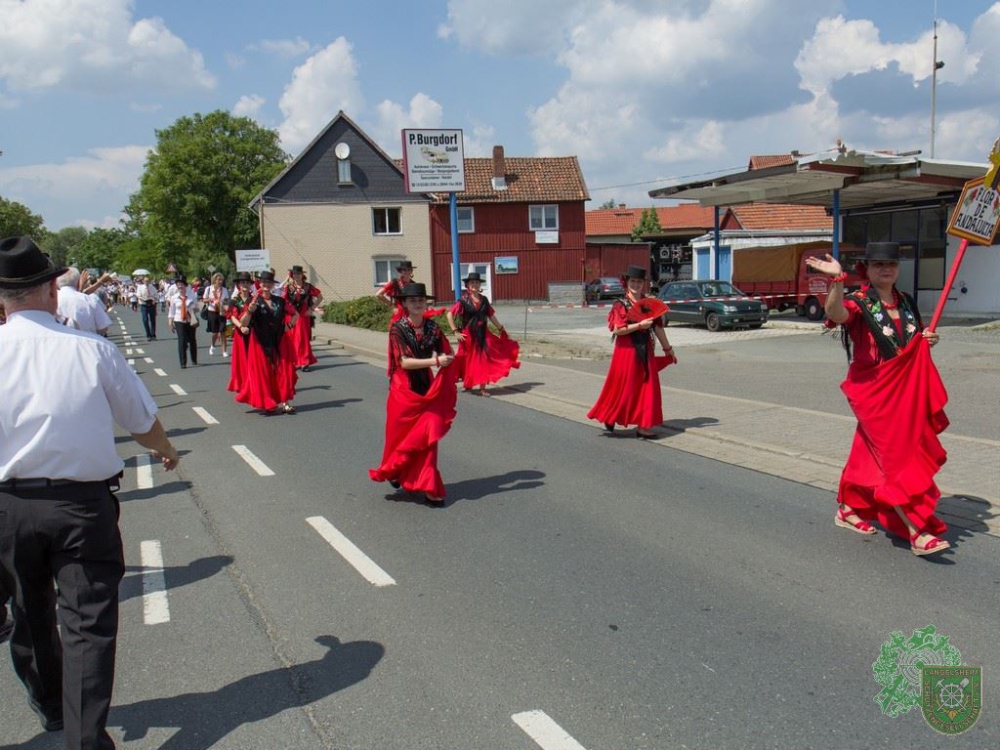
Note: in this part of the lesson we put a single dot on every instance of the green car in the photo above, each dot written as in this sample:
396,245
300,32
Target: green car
714,304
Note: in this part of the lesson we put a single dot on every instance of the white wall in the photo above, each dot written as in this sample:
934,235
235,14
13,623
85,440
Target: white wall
979,274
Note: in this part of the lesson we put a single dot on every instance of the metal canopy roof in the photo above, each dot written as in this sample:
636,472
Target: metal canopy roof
865,179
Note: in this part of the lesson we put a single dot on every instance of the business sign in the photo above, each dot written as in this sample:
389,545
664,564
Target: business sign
507,264
978,212
253,260
434,161
547,237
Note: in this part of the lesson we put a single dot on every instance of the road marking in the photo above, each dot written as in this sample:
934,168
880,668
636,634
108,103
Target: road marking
148,360
140,351
155,608
255,463
131,363
350,552
178,390
208,418
144,471
128,352
545,732
160,372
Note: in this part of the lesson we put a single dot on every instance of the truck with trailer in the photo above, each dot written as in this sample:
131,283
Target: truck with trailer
779,276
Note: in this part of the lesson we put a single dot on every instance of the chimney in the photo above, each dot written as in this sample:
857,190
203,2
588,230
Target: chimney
499,169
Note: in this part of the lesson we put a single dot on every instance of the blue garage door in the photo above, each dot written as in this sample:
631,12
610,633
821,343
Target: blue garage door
701,267
724,263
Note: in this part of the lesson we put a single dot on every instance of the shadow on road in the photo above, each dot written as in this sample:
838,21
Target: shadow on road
204,719
683,425
163,489
176,577
336,404
518,388
476,489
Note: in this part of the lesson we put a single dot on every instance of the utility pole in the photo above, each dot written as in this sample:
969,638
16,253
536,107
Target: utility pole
937,66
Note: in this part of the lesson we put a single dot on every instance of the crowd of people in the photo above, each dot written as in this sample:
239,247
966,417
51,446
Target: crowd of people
58,509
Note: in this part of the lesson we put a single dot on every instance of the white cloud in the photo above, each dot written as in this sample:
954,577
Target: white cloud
480,141
249,106
423,112
286,48
515,26
322,85
234,61
92,45
95,185
701,140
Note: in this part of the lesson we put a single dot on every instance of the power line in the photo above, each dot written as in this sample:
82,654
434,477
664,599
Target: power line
667,179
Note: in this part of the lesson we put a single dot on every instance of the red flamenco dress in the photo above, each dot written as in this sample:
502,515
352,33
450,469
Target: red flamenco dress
420,409
301,300
898,397
631,392
270,375
488,358
240,345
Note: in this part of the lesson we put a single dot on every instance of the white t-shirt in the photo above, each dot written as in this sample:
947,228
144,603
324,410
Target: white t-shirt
211,295
174,309
63,392
83,311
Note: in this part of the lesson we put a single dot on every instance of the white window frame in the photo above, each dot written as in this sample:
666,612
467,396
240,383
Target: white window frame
376,233
344,168
471,228
391,262
543,209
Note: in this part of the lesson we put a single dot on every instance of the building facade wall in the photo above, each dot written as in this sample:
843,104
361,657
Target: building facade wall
337,247
978,276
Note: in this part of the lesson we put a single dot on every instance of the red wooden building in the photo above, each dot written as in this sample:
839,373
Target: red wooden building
520,224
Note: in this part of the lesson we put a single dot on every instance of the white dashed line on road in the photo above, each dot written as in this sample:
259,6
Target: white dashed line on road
128,352
143,471
160,372
131,363
148,360
255,463
350,552
545,732
155,607
206,417
140,351
178,390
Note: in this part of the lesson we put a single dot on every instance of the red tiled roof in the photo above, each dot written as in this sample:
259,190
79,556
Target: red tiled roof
765,161
614,221
529,179
782,216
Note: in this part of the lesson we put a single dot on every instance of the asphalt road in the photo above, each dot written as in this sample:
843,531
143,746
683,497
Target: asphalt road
638,597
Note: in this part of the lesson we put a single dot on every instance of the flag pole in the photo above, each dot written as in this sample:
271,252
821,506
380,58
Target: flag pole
948,285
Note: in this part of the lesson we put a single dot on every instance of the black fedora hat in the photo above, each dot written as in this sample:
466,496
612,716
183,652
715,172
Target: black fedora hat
882,251
265,276
181,279
243,276
405,265
414,289
24,265
473,276
634,272
297,269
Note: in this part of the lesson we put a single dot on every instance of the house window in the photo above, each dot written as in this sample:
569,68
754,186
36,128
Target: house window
466,220
542,218
344,171
385,269
386,221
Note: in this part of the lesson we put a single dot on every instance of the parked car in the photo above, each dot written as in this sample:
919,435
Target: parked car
712,303
606,287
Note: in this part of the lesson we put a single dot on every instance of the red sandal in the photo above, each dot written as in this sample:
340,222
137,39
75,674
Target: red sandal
931,546
861,527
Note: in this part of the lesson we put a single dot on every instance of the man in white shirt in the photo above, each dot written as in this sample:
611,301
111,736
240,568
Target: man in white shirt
83,311
63,391
147,306
182,313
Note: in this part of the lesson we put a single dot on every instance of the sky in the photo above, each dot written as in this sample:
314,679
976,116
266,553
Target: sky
645,93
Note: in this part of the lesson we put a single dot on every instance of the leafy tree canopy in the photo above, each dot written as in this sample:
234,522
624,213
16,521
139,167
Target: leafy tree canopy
609,203
648,226
191,207
16,219
62,245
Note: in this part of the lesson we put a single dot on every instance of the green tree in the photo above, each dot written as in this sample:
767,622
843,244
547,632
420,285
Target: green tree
17,219
193,196
609,203
62,245
648,226
99,249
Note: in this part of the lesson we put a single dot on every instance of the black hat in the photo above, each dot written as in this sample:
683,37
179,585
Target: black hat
405,265
297,269
413,289
24,265
180,279
243,276
882,251
473,276
265,276
635,272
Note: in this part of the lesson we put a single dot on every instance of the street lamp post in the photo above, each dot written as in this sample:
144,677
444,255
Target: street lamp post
938,64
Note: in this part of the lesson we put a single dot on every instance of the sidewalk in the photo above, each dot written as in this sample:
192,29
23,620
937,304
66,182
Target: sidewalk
757,435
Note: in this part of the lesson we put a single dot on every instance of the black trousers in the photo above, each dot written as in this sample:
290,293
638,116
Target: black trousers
68,534
186,340
149,319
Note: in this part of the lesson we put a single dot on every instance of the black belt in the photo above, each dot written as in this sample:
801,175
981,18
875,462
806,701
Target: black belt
41,483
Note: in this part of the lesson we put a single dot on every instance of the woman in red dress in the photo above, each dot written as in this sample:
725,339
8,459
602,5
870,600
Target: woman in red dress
303,298
487,358
389,293
238,303
270,364
631,393
897,395
421,406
